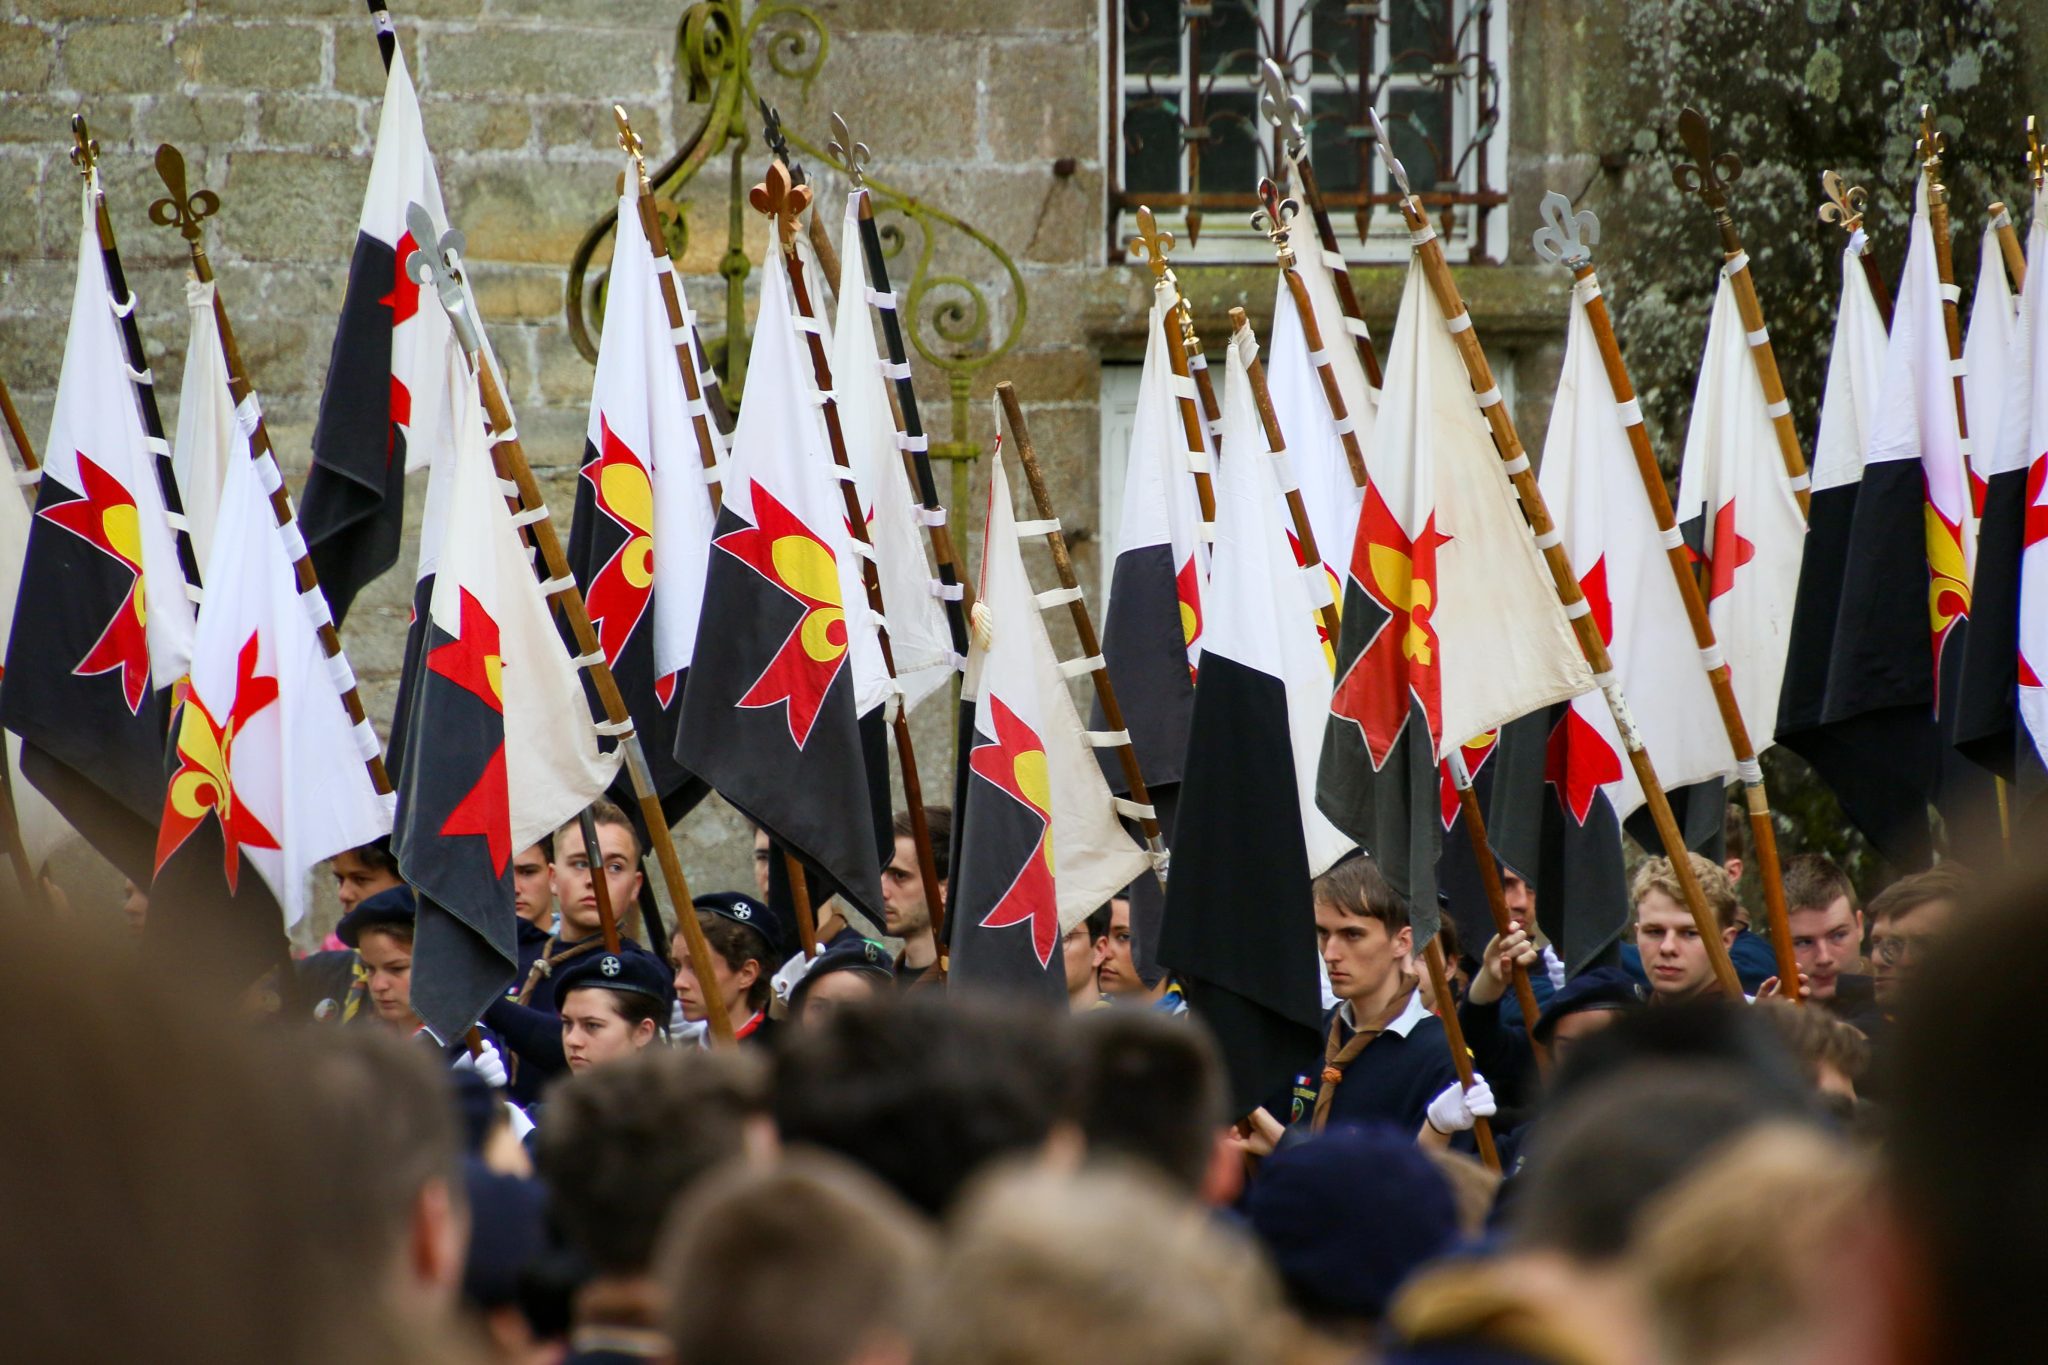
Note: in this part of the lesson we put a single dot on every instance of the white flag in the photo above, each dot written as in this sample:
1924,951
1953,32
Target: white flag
206,423
1737,505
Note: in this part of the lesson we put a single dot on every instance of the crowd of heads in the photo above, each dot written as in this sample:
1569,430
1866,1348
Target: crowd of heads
885,1173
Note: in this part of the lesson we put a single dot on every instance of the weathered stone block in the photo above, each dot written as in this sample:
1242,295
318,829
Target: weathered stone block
40,119
528,210
913,98
295,205
563,375
1044,100
515,293
584,14
21,194
118,57
274,56
505,61
27,56
297,120
191,120
950,16
473,126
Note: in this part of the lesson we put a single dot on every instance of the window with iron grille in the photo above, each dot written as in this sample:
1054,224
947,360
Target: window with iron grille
1186,137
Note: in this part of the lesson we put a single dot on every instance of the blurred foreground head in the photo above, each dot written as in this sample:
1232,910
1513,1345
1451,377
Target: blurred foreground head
175,1191
1098,1267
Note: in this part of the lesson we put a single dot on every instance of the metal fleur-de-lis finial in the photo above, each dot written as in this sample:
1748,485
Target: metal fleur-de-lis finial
2037,156
1394,166
1152,244
439,263
1845,203
630,144
852,155
1275,217
181,210
1566,238
1707,175
1284,109
782,199
85,148
1931,143
778,141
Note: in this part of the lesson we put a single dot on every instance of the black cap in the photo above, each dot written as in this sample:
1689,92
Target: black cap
858,955
1603,988
632,970
744,910
388,908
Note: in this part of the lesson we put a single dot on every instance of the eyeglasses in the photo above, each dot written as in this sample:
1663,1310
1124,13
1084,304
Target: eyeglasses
1892,949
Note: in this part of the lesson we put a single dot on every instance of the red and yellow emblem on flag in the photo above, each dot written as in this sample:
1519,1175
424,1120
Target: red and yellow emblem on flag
472,662
795,560
106,519
1014,761
204,783
1400,661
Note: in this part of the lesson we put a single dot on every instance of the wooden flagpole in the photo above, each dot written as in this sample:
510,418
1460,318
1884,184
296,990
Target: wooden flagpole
1140,806
1845,206
1708,176
687,355
2009,245
1461,1056
1508,444
600,885
800,902
1275,219
437,262
954,590
85,156
1567,240
1496,899
1152,246
1286,112
1276,444
185,211
784,201
10,818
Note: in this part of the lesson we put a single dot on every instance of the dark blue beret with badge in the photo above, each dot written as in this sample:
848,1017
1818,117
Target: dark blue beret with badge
632,970
864,956
745,910
387,909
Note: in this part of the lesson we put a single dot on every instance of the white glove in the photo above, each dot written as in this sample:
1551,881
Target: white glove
1553,967
1456,1108
517,1117
487,1064
785,981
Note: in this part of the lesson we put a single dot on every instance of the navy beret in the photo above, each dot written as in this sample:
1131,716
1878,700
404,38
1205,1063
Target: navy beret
632,970
1348,1213
744,910
858,955
388,908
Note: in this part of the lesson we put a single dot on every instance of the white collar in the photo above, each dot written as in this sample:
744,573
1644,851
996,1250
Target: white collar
1414,1013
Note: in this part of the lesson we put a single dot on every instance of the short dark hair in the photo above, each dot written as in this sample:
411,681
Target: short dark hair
1356,887
805,1263
1151,1088
1814,881
1949,882
1969,1024
378,857
938,821
922,1092
738,944
1098,920
623,1140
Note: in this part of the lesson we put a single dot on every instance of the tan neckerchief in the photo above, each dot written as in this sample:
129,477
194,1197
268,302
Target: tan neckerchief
1338,1054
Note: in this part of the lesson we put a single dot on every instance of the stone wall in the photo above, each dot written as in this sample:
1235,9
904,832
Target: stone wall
993,112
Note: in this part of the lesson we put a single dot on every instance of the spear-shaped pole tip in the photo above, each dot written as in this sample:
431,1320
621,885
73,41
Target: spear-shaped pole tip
1284,109
1394,166
852,155
1566,238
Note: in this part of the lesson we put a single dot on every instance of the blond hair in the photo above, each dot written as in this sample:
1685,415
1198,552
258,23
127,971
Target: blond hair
1657,874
